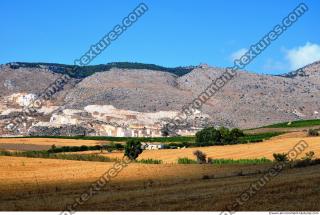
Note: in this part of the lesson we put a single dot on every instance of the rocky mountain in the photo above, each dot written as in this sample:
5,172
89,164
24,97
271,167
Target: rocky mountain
123,99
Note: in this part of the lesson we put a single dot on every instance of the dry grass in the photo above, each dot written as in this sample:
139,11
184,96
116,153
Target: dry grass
242,151
49,184
40,184
50,141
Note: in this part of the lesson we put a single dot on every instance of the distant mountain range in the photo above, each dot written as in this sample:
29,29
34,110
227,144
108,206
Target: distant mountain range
249,100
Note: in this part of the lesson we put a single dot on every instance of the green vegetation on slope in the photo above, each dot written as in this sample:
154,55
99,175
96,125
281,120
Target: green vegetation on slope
251,138
85,71
295,124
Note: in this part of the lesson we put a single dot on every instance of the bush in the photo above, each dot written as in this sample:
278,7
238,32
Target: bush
240,161
313,132
133,149
201,157
55,149
186,161
309,155
150,161
112,146
280,157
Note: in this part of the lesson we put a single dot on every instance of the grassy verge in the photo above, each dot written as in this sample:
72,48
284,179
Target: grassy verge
227,161
45,154
186,161
240,161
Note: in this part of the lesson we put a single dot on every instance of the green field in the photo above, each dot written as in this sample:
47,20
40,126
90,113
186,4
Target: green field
260,136
295,124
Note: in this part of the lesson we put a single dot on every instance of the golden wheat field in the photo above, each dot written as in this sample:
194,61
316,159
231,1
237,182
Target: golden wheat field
281,144
49,141
48,184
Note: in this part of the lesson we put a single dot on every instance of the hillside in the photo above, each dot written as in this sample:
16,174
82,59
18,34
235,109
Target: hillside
143,96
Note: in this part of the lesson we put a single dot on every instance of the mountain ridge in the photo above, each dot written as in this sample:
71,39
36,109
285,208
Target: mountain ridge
248,100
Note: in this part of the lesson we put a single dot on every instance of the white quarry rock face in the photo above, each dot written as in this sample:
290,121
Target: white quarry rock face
102,112
47,124
48,109
22,99
71,112
63,119
10,110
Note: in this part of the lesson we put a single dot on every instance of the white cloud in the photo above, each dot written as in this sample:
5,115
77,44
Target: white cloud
272,65
238,54
303,55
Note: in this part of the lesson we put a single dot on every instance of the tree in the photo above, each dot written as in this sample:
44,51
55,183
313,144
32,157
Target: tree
235,134
201,157
313,132
132,149
211,136
225,136
281,157
208,136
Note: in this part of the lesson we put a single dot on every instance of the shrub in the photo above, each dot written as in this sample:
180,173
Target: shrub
313,132
280,157
150,161
55,149
133,149
186,161
201,157
309,155
240,161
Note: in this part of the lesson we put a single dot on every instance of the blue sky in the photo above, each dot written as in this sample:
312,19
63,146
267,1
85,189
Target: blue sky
170,33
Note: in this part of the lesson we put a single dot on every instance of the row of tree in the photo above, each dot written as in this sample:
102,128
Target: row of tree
222,136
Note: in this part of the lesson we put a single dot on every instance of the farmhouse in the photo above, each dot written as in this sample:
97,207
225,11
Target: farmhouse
152,146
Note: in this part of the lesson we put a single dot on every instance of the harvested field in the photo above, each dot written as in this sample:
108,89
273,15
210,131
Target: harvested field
23,147
240,151
40,184
44,143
